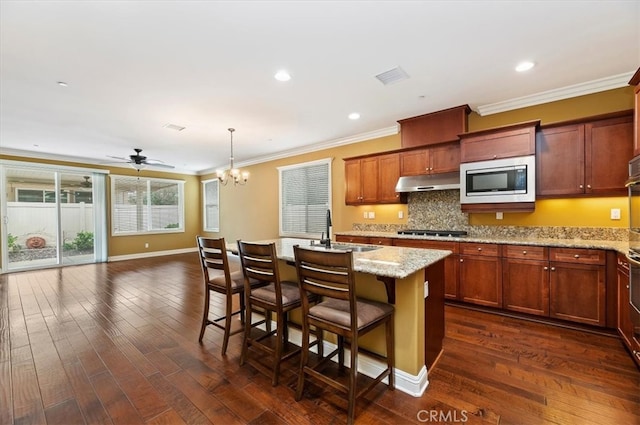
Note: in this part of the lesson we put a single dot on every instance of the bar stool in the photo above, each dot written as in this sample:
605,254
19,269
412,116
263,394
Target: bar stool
329,274
259,262
223,276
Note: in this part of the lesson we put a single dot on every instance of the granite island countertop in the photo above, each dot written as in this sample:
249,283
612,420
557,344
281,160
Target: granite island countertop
618,246
388,261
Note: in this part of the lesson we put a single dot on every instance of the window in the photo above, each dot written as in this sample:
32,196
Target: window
38,195
211,202
305,194
146,205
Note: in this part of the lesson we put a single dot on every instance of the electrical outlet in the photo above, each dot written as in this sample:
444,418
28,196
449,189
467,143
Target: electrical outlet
499,216
146,244
400,214
372,215
426,288
365,215
615,213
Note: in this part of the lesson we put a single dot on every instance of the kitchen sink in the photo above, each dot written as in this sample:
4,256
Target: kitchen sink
345,246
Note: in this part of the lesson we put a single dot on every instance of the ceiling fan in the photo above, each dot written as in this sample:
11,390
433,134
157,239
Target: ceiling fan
85,184
139,161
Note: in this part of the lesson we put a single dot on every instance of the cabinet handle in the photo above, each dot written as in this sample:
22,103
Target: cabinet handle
576,256
553,269
524,252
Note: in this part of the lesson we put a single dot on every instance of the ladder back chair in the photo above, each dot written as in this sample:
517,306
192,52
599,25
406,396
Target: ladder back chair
223,275
260,263
330,275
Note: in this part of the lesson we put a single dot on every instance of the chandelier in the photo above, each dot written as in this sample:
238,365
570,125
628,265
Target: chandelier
238,177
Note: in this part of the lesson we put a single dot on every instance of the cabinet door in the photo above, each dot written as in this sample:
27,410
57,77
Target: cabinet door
414,163
608,150
352,178
388,175
369,180
560,160
577,292
451,263
481,280
444,159
525,286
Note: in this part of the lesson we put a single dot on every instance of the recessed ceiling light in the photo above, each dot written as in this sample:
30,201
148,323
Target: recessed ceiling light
354,116
282,75
62,84
524,66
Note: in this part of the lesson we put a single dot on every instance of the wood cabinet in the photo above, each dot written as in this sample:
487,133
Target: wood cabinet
439,159
361,177
502,142
372,179
635,81
586,158
450,263
577,285
434,128
525,279
480,274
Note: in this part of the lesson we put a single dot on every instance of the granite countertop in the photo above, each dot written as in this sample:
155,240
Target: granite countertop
387,261
619,246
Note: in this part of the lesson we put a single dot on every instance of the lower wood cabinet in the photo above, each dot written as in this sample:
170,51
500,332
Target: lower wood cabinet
480,274
365,239
625,323
450,263
525,279
577,285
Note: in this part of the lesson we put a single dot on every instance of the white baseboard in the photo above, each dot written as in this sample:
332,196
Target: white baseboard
151,254
414,385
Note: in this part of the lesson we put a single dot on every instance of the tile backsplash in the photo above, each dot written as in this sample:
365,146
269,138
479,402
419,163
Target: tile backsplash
440,210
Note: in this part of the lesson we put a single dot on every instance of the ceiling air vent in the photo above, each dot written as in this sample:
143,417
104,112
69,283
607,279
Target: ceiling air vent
174,127
392,76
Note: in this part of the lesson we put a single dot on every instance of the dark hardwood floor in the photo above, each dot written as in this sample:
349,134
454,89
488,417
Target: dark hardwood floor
118,343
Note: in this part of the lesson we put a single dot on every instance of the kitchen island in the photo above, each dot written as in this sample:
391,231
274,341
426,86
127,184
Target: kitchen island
410,278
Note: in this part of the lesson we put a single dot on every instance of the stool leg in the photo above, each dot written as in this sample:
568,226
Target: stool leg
390,352
205,314
353,374
247,332
304,358
227,324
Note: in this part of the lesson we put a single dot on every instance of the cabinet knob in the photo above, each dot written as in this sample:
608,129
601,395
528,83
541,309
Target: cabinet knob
576,256
461,260
553,269
479,249
588,186
495,156
627,286
581,187
524,252
545,268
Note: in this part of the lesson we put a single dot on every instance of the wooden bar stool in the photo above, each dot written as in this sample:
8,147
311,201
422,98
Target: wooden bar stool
223,276
260,263
329,275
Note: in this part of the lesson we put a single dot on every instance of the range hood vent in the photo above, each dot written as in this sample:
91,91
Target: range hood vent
425,183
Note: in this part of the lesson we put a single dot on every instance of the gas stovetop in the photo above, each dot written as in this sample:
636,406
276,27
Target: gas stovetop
428,232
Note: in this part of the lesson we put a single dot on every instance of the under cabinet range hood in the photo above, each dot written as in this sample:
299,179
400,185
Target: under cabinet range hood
427,182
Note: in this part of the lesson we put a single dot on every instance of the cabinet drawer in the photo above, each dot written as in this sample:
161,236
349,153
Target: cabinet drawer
577,255
352,239
484,249
428,244
380,241
525,252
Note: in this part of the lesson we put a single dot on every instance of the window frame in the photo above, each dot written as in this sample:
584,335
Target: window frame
181,206
328,162
205,224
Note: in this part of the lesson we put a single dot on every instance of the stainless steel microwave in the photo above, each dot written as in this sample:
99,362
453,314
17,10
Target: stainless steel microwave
498,181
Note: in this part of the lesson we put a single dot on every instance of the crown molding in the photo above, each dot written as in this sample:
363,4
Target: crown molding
81,160
383,132
602,84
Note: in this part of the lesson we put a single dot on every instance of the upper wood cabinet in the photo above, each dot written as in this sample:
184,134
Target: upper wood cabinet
501,142
584,158
635,81
372,180
437,127
444,158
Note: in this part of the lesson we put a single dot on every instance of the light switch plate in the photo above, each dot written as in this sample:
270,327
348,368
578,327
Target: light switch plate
372,214
615,213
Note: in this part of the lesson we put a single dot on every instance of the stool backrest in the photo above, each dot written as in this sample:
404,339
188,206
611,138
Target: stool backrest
213,258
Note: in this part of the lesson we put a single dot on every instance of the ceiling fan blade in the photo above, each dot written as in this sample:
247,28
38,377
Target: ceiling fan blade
161,165
119,157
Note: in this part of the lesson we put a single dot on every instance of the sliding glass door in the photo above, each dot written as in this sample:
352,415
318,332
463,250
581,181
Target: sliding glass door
51,216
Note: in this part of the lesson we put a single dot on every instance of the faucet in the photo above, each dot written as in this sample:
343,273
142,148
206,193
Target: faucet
327,242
